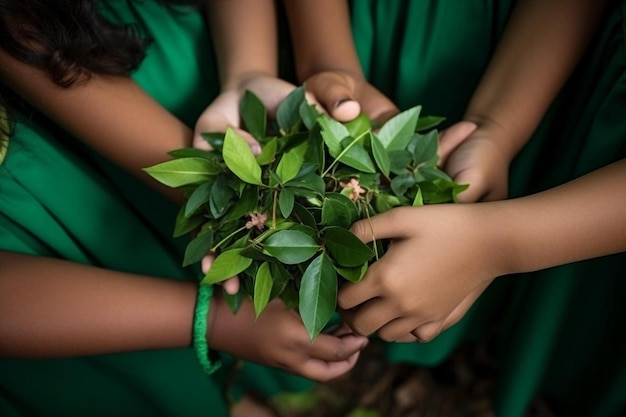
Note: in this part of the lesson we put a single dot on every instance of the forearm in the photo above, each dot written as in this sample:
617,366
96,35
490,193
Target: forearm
579,220
53,308
542,43
245,39
322,37
112,115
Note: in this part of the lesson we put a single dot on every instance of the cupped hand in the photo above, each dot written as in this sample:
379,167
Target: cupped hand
471,154
278,338
223,112
438,263
343,96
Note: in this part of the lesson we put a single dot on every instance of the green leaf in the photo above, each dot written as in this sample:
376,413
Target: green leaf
226,265
281,278
333,133
401,183
234,301
211,156
199,197
311,182
268,152
183,171
354,274
185,225
288,112
380,155
309,114
246,203
214,139
346,249
253,114
221,197
291,162
239,158
262,288
290,246
318,295
359,125
286,201
198,248
338,210
428,122
357,157
425,147
419,198
398,131
399,161
304,216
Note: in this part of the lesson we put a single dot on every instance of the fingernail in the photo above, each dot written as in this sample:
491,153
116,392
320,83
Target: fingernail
340,102
256,149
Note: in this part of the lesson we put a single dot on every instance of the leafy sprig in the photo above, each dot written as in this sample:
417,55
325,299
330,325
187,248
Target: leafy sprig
280,220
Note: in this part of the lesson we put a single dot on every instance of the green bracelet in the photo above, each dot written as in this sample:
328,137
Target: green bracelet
205,292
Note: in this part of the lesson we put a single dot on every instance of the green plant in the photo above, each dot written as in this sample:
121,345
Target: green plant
280,220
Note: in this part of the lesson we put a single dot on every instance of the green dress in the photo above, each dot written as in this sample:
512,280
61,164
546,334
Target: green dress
58,199
560,332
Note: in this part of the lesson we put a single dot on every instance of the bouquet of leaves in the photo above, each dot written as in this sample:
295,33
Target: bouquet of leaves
280,220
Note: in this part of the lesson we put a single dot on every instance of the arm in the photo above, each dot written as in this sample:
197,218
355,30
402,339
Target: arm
326,59
51,308
579,220
113,115
245,40
541,45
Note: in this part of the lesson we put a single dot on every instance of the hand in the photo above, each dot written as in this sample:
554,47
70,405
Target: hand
278,338
436,266
471,154
223,112
343,96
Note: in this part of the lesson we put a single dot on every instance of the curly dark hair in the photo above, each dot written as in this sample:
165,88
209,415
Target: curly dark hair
69,39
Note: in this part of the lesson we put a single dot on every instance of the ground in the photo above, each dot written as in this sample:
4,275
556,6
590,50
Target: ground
460,387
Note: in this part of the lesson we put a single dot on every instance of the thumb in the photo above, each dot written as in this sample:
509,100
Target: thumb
335,93
452,137
387,225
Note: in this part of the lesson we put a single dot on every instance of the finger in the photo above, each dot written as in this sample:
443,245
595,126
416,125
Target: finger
476,191
389,224
231,286
335,92
206,262
460,310
398,330
452,137
427,332
369,317
334,349
324,371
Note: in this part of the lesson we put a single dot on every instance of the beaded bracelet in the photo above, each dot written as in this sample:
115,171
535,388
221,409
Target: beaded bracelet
205,292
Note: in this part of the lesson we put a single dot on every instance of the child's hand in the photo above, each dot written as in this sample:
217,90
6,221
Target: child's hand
439,261
278,338
470,154
344,96
223,112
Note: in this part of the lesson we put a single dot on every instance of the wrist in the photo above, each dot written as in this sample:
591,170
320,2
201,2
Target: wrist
504,137
238,82
496,236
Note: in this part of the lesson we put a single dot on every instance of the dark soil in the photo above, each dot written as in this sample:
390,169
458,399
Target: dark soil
460,387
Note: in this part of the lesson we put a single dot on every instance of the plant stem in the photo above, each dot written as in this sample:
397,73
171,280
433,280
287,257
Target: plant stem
342,153
274,204
214,248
